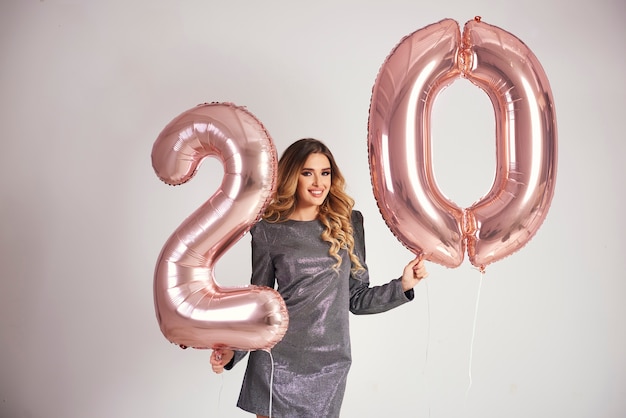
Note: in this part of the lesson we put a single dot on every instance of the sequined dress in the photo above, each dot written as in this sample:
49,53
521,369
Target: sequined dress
312,361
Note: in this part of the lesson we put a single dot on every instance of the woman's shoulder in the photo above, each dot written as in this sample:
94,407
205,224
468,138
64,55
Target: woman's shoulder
261,232
357,217
260,225
266,227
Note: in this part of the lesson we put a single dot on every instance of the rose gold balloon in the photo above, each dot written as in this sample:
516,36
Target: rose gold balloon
192,309
414,208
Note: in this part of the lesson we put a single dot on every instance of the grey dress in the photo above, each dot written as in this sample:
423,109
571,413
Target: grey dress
312,360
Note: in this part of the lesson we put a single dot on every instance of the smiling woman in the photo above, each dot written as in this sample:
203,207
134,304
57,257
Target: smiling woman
310,243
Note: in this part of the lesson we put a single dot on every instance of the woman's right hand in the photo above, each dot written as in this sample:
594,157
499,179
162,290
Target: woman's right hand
220,358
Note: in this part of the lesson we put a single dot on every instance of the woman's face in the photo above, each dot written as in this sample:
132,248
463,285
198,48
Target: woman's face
313,183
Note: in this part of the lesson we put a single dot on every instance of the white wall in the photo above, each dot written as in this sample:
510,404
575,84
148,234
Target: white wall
85,88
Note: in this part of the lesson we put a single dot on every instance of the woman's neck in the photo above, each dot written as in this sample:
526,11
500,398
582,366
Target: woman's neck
304,214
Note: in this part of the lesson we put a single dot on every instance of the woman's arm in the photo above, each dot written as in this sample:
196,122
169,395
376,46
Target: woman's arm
370,300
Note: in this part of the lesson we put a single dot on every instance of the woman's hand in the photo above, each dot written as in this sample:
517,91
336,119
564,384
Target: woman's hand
413,273
220,358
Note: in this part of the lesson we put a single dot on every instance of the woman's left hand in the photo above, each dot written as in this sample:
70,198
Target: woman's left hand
219,358
413,273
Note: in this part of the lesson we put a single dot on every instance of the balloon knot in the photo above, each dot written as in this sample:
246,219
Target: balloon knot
465,58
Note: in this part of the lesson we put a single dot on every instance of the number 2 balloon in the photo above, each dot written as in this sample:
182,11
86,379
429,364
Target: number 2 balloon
192,309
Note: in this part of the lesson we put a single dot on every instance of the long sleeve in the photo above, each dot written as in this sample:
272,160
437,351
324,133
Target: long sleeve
262,266
364,299
262,275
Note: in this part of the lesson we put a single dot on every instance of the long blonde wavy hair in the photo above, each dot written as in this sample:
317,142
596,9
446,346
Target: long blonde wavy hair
336,210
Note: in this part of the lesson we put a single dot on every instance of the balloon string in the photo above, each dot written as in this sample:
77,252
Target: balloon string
427,341
471,355
271,381
219,395
427,328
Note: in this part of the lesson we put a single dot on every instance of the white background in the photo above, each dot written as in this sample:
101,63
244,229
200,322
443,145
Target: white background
86,87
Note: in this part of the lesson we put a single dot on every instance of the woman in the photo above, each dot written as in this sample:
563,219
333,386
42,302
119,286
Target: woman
311,243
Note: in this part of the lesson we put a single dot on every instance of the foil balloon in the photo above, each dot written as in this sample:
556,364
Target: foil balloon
191,308
414,208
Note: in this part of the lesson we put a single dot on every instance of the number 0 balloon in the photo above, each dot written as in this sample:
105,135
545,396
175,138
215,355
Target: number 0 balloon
416,211
192,309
